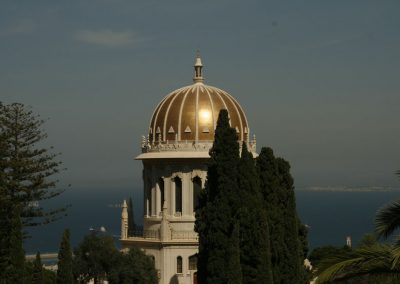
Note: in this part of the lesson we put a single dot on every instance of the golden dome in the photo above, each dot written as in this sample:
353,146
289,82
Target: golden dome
190,113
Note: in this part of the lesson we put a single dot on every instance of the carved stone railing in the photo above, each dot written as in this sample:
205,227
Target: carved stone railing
187,145
155,235
146,234
184,235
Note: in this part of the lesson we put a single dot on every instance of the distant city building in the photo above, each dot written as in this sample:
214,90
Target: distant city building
174,156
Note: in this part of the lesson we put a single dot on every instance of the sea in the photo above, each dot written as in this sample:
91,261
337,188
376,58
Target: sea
331,214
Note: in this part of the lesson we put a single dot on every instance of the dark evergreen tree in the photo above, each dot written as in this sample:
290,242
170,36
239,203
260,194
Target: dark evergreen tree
133,267
131,219
27,168
94,258
303,252
37,273
15,256
279,200
64,271
255,257
269,186
5,230
6,208
216,216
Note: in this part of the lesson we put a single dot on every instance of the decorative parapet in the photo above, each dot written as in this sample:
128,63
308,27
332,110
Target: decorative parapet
151,234
175,235
187,145
184,235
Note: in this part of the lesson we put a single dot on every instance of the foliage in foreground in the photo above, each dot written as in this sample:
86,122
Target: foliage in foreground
31,274
255,251
97,258
64,271
12,255
320,254
239,203
216,217
133,267
288,236
27,173
27,168
37,274
371,262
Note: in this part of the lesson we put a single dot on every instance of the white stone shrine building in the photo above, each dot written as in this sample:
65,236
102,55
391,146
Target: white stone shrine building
174,157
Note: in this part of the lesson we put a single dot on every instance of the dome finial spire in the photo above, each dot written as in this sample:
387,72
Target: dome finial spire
198,66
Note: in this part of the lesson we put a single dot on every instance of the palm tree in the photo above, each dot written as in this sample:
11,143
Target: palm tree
387,219
374,264
378,263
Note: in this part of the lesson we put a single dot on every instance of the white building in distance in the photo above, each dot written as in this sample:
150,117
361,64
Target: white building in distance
174,157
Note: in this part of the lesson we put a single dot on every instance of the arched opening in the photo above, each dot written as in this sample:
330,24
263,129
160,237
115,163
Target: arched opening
196,191
193,262
148,201
161,186
178,194
179,268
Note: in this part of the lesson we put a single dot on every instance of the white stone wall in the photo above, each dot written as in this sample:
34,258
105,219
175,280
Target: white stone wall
182,240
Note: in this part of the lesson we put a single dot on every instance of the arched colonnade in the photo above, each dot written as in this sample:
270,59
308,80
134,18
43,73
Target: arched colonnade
180,192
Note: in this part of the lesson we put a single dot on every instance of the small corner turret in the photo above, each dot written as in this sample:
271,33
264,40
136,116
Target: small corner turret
124,221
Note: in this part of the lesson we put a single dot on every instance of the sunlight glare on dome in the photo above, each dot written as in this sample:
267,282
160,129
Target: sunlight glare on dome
205,115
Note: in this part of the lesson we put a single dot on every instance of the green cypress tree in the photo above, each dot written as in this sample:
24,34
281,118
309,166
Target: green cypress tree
37,274
234,273
216,216
268,172
64,271
131,219
292,249
279,200
255,255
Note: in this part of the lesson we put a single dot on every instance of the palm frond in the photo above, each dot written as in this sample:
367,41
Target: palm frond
387,219
396,255
374,261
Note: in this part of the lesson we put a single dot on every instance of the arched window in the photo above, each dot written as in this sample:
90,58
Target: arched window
179,264
149,201
178,194
161,186
193,262
196,191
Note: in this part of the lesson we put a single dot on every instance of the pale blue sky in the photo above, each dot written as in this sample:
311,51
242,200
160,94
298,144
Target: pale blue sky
319,80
